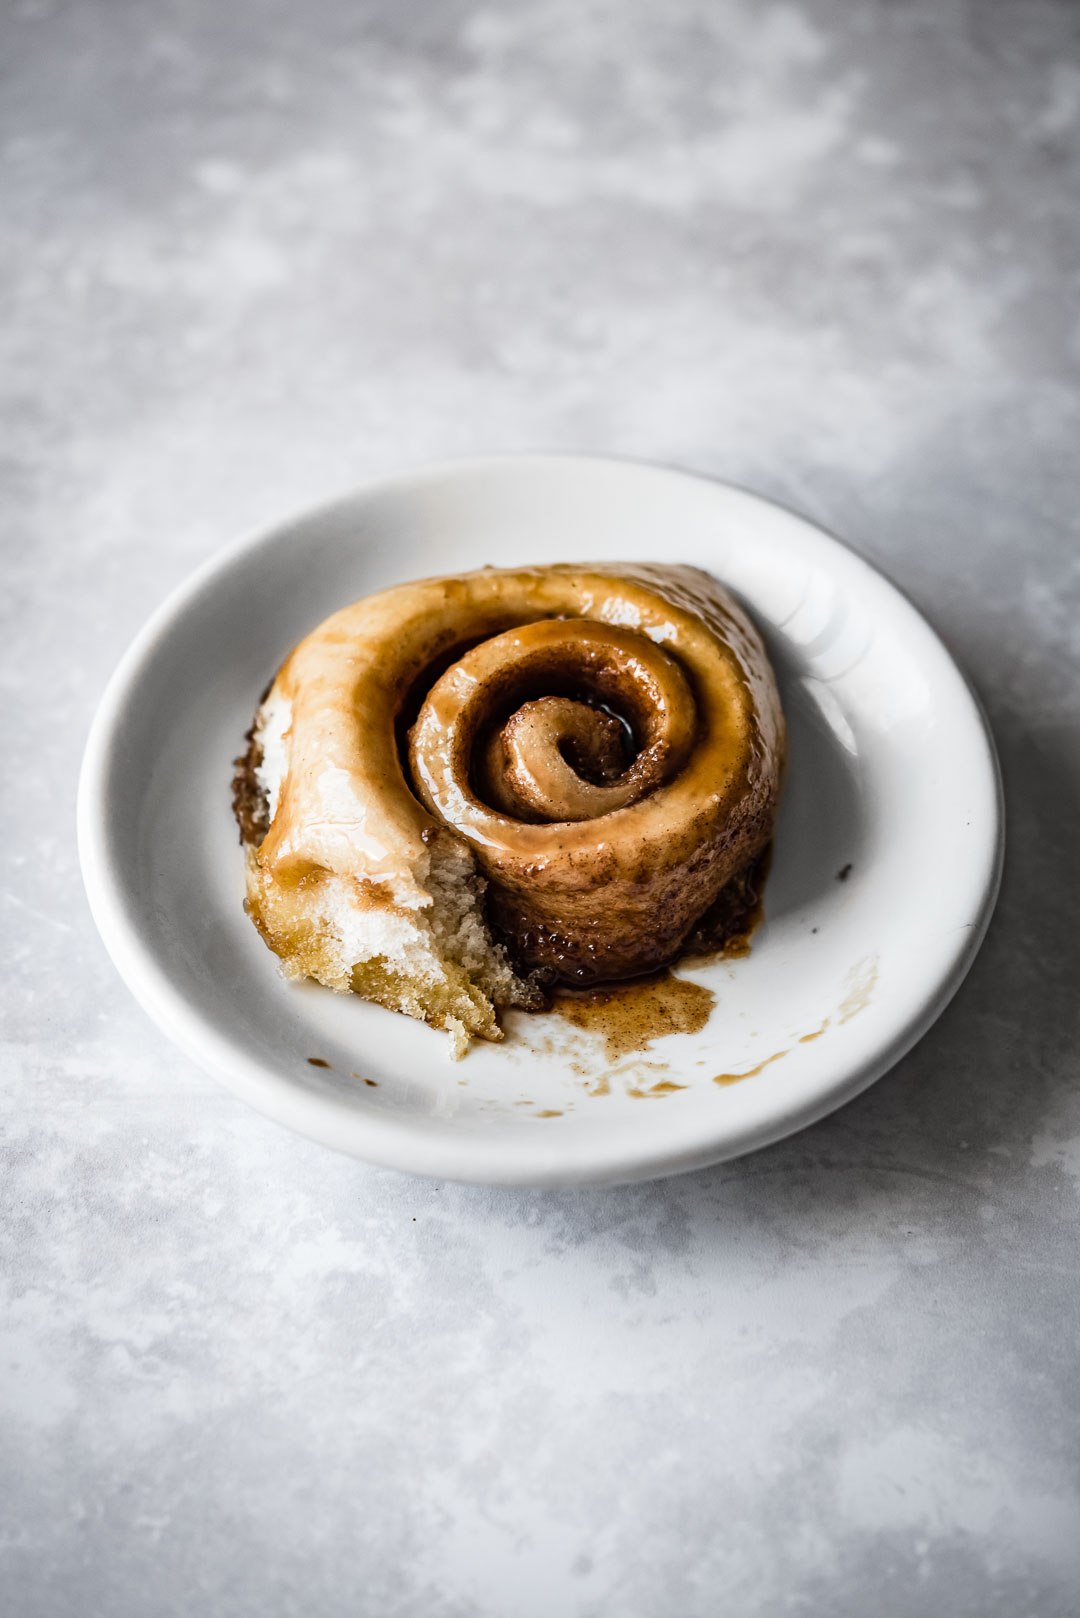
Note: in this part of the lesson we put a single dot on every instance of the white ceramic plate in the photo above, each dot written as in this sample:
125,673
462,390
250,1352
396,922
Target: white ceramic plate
892,773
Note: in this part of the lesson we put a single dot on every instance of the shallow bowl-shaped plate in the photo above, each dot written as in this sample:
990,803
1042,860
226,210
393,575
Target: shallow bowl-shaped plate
888,848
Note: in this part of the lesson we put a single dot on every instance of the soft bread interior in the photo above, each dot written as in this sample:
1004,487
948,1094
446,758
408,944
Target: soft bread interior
423,948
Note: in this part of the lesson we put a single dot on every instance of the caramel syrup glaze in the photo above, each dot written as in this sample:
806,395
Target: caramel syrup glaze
751,1072
628,1016
594,879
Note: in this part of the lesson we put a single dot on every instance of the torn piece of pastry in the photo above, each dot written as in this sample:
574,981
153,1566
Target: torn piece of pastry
460,792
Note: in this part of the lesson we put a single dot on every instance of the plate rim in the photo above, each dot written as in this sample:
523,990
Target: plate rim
392,1143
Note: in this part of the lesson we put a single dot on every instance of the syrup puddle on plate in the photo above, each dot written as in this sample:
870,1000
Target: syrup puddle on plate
629,1016
622,1022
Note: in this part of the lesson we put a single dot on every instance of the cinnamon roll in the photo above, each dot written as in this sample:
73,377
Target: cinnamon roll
461,792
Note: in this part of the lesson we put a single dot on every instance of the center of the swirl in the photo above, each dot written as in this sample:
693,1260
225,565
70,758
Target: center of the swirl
557,759
507,725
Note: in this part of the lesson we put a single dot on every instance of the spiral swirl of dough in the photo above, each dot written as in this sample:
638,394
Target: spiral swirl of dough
606,741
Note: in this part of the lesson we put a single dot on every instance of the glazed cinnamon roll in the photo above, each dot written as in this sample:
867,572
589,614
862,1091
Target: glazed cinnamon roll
461,792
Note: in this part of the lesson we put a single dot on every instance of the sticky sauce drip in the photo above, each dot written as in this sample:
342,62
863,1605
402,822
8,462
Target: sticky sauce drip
664,1088
804,1039
751,1072
860,988
629,1016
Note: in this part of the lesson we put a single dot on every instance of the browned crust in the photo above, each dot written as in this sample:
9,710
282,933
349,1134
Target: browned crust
249,801
729,922
724,928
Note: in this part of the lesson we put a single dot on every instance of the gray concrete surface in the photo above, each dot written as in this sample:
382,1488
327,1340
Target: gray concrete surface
251,253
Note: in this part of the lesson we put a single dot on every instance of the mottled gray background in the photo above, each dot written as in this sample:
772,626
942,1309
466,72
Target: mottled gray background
251,253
